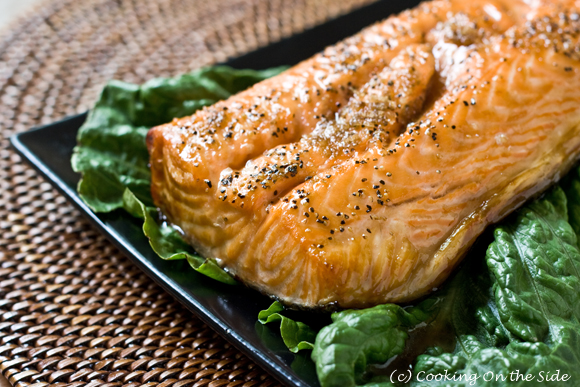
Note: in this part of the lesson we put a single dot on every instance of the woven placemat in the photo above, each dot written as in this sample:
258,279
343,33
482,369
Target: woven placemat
74,311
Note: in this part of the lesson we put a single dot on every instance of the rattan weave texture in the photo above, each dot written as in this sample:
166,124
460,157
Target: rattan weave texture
73,310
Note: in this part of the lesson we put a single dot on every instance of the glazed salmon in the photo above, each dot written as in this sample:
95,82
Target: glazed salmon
363,175
376,112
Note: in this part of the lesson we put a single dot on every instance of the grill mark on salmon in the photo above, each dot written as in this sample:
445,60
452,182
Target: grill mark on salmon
496,108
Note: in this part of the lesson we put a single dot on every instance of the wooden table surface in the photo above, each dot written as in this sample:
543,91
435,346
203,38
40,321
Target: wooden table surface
10,10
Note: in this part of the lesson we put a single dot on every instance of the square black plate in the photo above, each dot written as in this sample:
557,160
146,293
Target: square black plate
231,310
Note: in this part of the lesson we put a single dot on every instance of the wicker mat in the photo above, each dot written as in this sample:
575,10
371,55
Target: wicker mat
73,310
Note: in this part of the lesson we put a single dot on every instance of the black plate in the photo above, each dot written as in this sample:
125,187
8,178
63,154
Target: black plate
231,310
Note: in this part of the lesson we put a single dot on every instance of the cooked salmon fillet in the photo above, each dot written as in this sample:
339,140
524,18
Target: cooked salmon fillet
364,174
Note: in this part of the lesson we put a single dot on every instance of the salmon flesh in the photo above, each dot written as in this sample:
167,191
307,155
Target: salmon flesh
364,174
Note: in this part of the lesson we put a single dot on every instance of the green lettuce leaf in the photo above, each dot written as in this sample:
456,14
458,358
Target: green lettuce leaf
345,350
112,155
295,334
534,264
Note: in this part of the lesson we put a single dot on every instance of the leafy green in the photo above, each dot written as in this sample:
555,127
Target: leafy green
534,263
112,155
295,334
357,339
